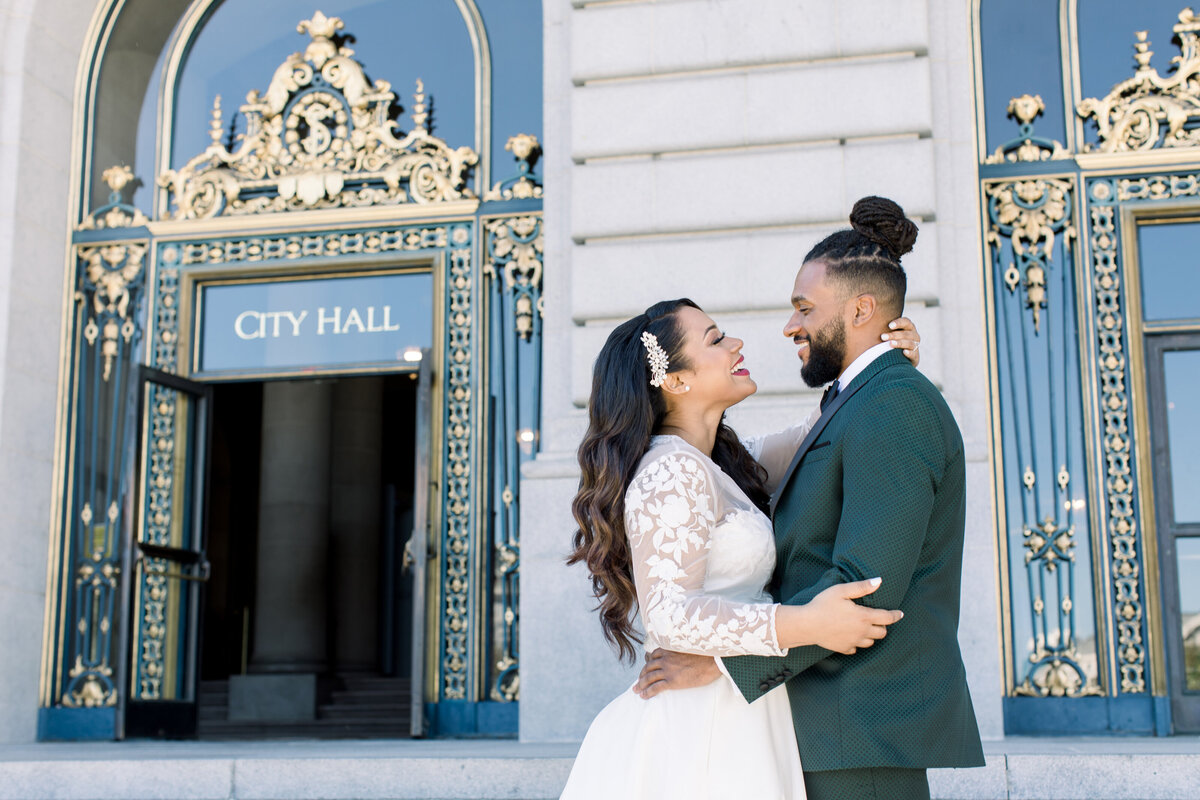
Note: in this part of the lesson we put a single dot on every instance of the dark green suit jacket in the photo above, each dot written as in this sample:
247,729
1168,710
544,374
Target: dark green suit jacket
879,492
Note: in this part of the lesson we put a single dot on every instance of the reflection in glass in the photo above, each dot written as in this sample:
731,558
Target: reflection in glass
398,41
1170,270
1106,37
1181,371
1187,554
169,487
127,98
1020,54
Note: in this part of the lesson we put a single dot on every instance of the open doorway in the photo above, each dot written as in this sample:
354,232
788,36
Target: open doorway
307,621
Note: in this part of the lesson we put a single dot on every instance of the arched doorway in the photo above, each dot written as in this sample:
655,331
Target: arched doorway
304,372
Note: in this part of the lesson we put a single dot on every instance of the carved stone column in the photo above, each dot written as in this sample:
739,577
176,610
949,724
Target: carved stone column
355,521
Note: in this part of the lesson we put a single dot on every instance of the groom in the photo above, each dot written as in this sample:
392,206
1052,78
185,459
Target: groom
876,489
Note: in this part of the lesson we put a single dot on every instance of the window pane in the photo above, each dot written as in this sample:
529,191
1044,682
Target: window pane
1181,369
127,99
1020,54
245,41
1187,556
1106,38
1169,260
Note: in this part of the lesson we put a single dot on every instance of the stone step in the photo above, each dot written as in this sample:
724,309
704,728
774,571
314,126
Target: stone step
365,698
364,706
319,768
1112,768
387,685
395,714
245,733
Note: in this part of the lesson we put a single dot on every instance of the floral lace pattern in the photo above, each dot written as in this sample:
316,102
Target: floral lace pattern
687,521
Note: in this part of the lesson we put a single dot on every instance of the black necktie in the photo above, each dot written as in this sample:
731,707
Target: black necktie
831,391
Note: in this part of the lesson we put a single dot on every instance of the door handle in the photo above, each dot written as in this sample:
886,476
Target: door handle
202,574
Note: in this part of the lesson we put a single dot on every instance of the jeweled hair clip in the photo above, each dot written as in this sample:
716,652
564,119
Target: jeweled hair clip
657,358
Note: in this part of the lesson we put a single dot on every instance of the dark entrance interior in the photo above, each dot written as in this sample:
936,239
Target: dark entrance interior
307,615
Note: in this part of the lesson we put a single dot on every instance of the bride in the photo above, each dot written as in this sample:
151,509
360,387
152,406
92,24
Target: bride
671,521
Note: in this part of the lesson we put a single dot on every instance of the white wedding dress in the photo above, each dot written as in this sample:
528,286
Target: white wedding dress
702,556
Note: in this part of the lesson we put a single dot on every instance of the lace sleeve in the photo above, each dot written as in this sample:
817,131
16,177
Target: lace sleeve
775,450
669,517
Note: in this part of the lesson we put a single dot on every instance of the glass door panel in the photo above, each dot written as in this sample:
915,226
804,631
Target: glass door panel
1174,382
1187,562
1169,266
169,567
1181,373
417,551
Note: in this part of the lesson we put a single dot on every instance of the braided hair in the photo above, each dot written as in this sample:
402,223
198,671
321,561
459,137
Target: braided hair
866,258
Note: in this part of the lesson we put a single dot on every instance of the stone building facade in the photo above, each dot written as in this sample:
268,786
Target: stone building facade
655,149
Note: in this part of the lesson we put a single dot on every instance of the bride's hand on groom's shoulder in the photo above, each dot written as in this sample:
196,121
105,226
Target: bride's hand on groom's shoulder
834,621
666,670
905,336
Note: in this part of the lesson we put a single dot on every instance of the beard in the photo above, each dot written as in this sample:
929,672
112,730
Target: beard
826,350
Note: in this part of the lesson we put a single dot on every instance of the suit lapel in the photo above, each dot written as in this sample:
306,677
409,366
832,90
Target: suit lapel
874,368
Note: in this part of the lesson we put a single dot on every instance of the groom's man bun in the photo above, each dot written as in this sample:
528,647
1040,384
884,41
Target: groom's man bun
866,259
883,222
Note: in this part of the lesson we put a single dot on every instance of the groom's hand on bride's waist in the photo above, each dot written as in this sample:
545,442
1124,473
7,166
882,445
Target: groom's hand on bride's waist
666,669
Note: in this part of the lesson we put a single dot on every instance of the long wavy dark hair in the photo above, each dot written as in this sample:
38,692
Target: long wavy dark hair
623,413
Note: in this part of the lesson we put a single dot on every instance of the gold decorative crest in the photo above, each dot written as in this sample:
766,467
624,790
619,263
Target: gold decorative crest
526,149
321,136
515,247
1149,111
110,273
1032,212
1027,147
115,214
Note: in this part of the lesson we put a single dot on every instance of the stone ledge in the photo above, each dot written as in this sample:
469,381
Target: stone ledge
1017,769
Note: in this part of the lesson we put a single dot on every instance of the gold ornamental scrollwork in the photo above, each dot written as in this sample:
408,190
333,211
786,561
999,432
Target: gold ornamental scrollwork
115,214
1031,213
111,272
1151,111
515,247
1057,670
320,136
1117,447
1027,147
459,422
525,186
1153,187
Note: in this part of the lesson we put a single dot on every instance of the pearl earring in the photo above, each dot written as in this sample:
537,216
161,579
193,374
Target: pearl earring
687,388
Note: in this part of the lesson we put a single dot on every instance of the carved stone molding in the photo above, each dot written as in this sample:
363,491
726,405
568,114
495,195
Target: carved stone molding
1150,111
321,136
